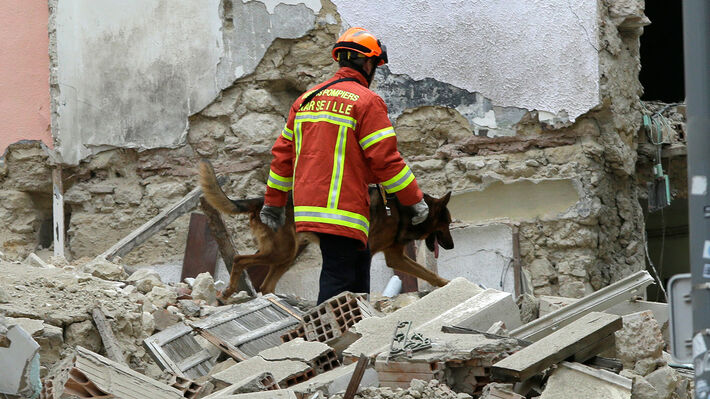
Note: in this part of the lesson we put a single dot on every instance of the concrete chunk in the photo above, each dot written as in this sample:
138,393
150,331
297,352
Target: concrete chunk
574,380
253,367
487,308
258,383
16,362
298,349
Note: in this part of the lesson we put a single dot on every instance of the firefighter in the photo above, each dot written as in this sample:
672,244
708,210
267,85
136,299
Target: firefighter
337,140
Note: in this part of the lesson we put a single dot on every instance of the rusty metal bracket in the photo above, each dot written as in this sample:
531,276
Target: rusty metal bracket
405,344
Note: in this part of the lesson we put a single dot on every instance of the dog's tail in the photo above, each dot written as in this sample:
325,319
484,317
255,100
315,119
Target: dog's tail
218,199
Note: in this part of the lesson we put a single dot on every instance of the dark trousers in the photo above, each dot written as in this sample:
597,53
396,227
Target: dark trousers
346,266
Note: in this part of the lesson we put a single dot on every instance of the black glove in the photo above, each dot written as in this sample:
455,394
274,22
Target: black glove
273,216
421,211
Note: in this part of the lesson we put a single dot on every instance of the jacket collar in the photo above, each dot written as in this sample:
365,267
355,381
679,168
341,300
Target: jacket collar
345,72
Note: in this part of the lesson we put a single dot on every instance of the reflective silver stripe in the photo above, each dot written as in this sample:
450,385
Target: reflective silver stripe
372,139
287,134
280,183
332,216
326,117
339,160
399,181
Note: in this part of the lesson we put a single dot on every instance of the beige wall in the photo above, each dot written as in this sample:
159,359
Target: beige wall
24,72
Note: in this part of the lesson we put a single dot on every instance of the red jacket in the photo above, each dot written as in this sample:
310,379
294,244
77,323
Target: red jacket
328,153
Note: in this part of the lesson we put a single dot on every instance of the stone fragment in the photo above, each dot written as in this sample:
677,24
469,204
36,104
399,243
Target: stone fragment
664,380
642,389
147,323
574,380
496,390
259,100
529,307
203,288
542,272
639,338
165,193
85,334
104,269
145,279
189,307
163,319
4,297
50,338
161,297
129,194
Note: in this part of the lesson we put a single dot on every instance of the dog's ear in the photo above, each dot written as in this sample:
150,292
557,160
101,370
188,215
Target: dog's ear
431,241
445,199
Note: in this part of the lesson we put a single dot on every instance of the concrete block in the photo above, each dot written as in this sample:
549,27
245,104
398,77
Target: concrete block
499,391
487,308
336,380
16,362
483,255
574,380
664,380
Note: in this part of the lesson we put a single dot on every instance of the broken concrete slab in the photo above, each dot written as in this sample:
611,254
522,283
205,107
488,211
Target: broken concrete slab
549,304
336,380
285,372
19,363
376,332
261,382
49,338
487,308
88,374
319,356
664,380
600,300
574,380
578,336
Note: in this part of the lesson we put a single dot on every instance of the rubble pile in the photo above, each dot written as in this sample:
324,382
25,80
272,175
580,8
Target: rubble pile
91,329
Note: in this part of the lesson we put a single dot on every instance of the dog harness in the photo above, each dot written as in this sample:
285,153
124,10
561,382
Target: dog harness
337,140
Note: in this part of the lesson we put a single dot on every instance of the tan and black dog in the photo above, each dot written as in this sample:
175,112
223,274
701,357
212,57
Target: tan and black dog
390,232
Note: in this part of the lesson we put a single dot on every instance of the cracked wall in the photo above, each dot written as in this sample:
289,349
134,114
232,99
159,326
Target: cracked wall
457,136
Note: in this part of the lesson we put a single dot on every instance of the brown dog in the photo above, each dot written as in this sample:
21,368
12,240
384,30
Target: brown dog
390,232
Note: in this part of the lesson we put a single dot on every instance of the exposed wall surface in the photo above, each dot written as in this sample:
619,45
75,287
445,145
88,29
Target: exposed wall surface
24,72
536,55
130,73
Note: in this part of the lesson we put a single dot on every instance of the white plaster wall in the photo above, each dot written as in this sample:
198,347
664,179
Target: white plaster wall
481,254
131,72
532,54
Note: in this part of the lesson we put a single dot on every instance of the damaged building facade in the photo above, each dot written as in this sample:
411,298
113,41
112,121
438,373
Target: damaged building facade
528,113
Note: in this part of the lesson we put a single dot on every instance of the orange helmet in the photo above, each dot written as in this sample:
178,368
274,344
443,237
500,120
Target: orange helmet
363,42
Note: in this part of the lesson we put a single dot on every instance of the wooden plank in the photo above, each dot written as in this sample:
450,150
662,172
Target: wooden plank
225,244
594,349
113,351
556,347
154,225
200,250
613,365
284,308
355,380
223,345
58,211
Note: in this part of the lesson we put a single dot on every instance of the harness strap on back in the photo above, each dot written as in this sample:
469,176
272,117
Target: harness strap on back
315,93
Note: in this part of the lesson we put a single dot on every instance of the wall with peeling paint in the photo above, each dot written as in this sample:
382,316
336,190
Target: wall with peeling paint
130,73
530,54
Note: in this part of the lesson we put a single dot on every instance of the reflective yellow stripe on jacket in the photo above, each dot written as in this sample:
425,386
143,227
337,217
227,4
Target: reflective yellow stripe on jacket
331,216
399,181
279,182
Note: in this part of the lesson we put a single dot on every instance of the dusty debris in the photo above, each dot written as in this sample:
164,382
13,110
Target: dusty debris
203,288
104,269
145,280
417,389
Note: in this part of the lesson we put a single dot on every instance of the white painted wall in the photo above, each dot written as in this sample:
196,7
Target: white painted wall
131,72
532,54
481,254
